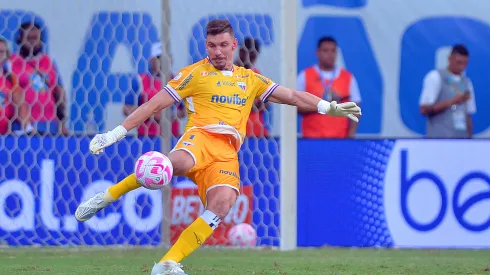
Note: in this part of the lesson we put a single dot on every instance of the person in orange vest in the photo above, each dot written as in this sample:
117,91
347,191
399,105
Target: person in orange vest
326,80
247,56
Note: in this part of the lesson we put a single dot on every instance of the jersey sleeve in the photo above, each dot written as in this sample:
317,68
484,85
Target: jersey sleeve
182,85
264,86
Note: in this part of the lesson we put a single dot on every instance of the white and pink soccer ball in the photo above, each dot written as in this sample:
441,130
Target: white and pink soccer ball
242,235
153,170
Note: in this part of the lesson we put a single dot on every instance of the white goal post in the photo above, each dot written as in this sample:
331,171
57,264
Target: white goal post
288,136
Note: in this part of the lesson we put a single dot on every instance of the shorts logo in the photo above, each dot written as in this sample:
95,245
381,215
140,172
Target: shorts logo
234,174
186,143
192,137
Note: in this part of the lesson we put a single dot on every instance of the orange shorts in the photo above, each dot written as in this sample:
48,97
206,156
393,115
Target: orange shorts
215,158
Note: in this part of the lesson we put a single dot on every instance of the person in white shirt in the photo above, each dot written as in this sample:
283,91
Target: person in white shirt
448,98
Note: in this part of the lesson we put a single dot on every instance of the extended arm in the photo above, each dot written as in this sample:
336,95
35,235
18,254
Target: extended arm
157,103
307,102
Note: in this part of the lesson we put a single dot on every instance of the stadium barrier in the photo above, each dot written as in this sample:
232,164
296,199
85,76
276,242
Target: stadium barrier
403,193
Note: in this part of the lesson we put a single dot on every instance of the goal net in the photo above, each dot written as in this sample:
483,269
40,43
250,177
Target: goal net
88,66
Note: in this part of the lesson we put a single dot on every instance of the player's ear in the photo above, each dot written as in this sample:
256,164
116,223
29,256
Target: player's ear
235,44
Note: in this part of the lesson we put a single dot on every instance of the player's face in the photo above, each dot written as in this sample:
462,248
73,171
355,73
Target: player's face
220,50
457,63
327,54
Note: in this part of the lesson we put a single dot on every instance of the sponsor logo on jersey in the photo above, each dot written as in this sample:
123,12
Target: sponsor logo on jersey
235,99
242,76
209,73
177,77
225,83
242,85
185,82
262,78
234,174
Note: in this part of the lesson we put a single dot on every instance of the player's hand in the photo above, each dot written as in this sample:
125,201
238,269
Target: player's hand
101,141
347,109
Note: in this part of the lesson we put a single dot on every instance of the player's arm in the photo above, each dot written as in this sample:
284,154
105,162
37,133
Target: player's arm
307,102
157,103
177,89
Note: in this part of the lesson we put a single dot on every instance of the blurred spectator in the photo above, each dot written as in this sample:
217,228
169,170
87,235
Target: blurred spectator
448,98
39,79
247,56
144,87
331,83
11,103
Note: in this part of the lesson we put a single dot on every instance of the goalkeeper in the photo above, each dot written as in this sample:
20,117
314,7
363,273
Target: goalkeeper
219,97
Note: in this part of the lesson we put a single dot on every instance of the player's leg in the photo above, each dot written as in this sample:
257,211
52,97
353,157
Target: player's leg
218,188
220,200
182,162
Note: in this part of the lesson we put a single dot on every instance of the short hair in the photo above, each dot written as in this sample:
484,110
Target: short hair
217,26
251,44
326,39
460,49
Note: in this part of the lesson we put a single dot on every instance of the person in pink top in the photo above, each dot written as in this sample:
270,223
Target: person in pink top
11,104
39,79
144,87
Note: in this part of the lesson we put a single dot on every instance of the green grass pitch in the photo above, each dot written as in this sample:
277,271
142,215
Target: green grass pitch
208,261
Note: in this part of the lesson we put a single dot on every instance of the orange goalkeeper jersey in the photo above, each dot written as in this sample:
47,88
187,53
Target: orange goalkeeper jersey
219,101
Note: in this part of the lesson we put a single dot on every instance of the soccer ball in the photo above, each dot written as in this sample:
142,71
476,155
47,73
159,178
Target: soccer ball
153,170
242,235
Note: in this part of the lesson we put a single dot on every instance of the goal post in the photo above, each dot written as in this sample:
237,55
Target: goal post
288,133
166,138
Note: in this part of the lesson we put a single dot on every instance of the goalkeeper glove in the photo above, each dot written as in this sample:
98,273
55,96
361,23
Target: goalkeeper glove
347,109
101,141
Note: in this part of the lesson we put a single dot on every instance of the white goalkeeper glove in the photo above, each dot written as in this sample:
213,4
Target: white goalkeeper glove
101,141
347,109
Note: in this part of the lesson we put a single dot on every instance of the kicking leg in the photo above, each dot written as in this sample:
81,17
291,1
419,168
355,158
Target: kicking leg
181,161
219,202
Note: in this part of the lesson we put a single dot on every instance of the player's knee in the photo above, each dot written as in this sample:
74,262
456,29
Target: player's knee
221,207
182,162
220,200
